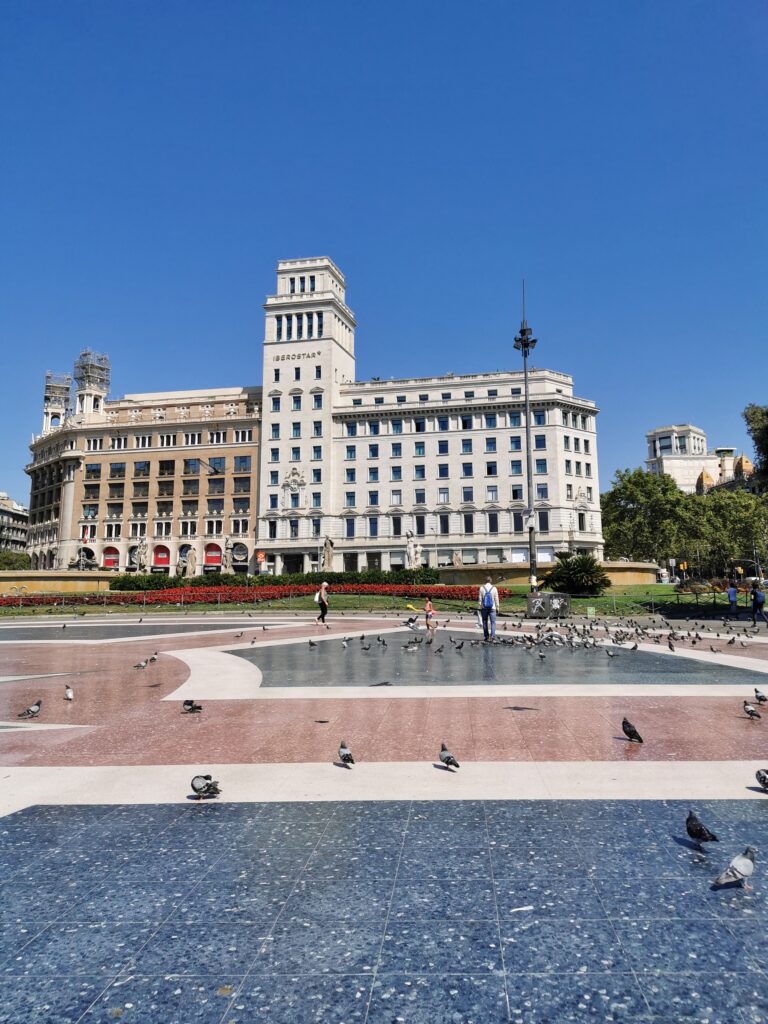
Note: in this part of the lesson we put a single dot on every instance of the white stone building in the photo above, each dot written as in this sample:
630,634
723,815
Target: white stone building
680,450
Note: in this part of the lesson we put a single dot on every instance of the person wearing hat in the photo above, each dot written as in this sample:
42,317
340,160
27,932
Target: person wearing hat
321,597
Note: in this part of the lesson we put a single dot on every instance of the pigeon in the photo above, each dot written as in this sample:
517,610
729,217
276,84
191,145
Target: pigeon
447,757
153,657
630,731
190,708
410,621
713,649
345,643
762,777
750,712
141,664
32,711
610,654
204,785
633,647
542,655
459,646
731,642
740,869
670,645
141,619
237,636
760,697
345,755
69,693
312,643
439,650
63,625
365,647
698,831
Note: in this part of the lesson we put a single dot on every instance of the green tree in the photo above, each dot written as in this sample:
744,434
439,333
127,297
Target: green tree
642,514
576,574
14,560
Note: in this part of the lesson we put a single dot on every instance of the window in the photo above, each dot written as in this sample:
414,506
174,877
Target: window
400,398
466,469
493,392
582,522
515,443
373,524
588,469
469,522
490,445
467,494
317,428
319,325
565,418
315,527
442,471
490,469
516,467
241,504
568,468
293,529
397,526
469,394
514,419
272,529
164,488
349,499
541,466
423,398
118,490
444,523
242,463
373,451
142,441
539,419
357,401
117,469
93,470
373,474
492,492
349,476
584,423
443,423
589,494
276,373
217,464
318,376
586,446
397,426
466,447
188,487
418,450
542,492
466,422
317,476
239,526
275,434
275,405
543,515
445,396
396,473
297,373
296,403
296,429
490,421
350,452
397,450
578,469
294,500
295,454
516,493
419,523
317,452
187,529
373,427
442,495
539,441
118,443
163,529
216,485
351,429
442,447
516,391
274,454
493,522
315,499
373,497
517,522
349,529
94,444
215,506
311,282
569,492
273,478
217,437
420,426
566,443
419,496
397,498
317,400
242,485
292,285
419,472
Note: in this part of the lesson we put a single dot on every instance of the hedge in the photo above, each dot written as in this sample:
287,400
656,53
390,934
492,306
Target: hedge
159,581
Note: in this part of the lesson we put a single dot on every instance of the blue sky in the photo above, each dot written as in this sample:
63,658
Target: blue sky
158,158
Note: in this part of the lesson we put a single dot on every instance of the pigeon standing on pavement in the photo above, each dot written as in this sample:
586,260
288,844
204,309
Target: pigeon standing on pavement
760,697
190,708
762,777
750,711
140,664
630,731
32,711
698,831
447,757
69,693
739,870
345,755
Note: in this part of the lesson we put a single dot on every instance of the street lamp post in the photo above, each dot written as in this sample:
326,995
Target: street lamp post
525,343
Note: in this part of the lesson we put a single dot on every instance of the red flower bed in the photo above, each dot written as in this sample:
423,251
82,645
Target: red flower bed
241,595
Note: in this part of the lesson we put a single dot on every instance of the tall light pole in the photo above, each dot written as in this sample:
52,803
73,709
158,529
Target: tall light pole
525,343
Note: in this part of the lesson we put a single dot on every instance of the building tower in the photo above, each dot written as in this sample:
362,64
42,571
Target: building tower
92,375
56,400
309,355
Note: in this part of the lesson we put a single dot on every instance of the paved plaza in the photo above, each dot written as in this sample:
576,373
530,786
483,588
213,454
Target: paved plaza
548,879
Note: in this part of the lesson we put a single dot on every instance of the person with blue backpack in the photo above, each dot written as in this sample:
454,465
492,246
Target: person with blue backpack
758,603
488,604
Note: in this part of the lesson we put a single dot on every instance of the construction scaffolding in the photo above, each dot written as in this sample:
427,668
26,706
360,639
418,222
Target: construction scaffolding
92,372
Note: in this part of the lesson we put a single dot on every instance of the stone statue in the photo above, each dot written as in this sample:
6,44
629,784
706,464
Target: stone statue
226,558
189,569
410,551
141,555
417,555
327,565
456,560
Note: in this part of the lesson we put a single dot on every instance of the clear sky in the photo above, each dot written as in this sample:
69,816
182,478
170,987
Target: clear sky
158,158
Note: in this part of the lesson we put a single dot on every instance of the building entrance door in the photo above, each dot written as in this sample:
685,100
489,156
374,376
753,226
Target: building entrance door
293,563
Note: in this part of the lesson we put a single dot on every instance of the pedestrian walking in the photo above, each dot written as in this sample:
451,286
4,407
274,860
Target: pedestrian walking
733,600
758,603
321,600
488,605
429,617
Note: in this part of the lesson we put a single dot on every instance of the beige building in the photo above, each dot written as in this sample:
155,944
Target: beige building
14,525
315,468
680,451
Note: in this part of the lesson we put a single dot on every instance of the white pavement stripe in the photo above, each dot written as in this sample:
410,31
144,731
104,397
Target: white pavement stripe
403,691
422,780
214,675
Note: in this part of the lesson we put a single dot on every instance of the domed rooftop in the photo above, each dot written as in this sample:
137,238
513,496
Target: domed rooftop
704,482
743,466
